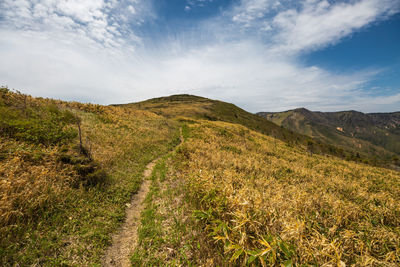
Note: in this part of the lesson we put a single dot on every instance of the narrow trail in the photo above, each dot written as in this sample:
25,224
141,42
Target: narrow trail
125,240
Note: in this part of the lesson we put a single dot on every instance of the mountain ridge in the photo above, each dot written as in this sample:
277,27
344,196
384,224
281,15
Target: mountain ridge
377,134
192,106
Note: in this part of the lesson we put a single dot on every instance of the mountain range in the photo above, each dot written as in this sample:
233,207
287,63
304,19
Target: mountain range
374,134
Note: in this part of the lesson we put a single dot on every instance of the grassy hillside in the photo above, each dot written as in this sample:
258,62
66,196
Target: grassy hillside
375,135
58,204
232,196
213,110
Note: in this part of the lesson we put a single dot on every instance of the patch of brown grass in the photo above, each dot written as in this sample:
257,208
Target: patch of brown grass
32,179
268,203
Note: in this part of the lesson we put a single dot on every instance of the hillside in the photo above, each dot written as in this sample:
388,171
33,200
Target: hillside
224,190
375,134
59,204
232,196
214,110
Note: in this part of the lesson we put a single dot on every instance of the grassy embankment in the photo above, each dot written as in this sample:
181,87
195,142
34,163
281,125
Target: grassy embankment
59,204
233,196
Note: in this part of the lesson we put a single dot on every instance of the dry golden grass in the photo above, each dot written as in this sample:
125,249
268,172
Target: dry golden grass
30,184
172,109
261,201
49,214
269,204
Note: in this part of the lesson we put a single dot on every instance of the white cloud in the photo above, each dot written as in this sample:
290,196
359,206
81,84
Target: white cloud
320,23
197,3
87,50
234,73
132,9
99,21
290,26
250,11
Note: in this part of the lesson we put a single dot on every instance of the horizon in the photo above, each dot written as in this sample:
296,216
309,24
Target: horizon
281,111
350,110
261,55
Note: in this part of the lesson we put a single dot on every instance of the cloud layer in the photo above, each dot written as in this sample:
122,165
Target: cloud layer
320,23
94,51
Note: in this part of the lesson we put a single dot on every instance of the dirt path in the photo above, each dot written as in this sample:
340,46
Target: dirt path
125,241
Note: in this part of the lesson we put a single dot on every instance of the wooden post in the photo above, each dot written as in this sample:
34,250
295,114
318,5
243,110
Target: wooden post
78,123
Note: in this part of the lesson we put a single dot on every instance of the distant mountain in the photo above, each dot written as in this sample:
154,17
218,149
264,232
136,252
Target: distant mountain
376,134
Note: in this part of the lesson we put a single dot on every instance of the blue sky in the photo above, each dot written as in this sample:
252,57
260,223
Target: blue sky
263,55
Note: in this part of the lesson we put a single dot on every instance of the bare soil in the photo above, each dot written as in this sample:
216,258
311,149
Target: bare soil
125,240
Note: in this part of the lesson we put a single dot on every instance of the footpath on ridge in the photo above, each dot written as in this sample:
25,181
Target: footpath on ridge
125,240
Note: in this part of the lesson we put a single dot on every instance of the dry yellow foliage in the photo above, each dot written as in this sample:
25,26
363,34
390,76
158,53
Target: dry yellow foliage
271,204
47,215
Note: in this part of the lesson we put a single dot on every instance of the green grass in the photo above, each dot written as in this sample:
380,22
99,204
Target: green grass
43,124
81,227
61,219
150,232
221,198
185,131
169,233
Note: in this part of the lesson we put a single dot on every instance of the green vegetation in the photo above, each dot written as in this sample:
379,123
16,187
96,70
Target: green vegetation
169,234
239,191
188,106
45,124
59,206
150,233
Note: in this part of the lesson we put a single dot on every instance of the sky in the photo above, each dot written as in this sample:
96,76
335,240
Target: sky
262,55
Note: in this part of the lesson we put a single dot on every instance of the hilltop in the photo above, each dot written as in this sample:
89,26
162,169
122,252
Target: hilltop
203,108
374,134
